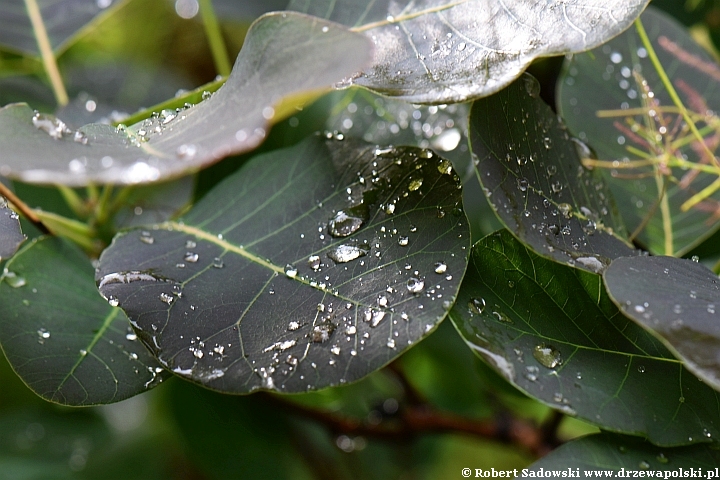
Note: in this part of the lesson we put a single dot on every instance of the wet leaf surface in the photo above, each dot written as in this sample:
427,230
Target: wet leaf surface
554,333
66,343
675,299
531,173
11,235
613,99
311,273
441,51
608,452
62,19
286,59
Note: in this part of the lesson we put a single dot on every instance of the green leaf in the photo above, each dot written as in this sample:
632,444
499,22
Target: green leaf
674,299
11,235
314,272
530,171
553,332
607,105
66,343
611,453
154,203
442,51
286,59
62,19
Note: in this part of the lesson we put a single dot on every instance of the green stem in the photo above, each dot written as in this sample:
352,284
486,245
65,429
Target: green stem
73,200
46,52
23,208
102,210
193,96
73,230
214,36
671,90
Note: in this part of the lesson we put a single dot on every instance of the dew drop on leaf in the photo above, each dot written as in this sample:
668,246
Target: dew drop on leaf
14,280
342,224
547,356
290,271
476,305
440,267
345,253
415,285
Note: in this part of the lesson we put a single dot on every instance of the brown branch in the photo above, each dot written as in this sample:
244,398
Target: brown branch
22,207
412,421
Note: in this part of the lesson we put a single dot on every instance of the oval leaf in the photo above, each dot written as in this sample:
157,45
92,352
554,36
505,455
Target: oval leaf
603,453
66,343
442,51
531,173
286,57
676,300
553,332
11,235
311,273
61,20
640,136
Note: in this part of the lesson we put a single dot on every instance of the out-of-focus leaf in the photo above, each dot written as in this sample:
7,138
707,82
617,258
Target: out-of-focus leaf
155,203
614,99
62,19
443,51
674,299
604,452
37,444
286,59
247,9
11,235
66,343
554,333
314,272
530,171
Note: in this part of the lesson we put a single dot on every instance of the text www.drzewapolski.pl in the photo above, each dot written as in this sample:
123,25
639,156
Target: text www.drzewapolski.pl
707,474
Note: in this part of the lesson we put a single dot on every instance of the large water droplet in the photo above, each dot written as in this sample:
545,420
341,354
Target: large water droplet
547,356
346,253
43,335
415,285
14,280
476,305
321,333
440,267
373,316
342,224
54,127
166,298
290,271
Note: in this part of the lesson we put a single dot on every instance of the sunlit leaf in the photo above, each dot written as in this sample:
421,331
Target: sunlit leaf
613,99
532,175
553,332
610,453
444,51
676,300
311,273
62,19
285,60
11,235
66,343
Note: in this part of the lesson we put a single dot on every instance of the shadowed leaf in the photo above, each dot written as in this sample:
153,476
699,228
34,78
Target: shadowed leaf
11,235
443,51
554,333
532,175
614,99
311,273
286,59
608,452
66,343
674,299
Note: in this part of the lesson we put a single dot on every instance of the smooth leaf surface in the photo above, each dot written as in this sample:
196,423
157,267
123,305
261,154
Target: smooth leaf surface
531,173
444,51
605,452
11,235
614,99
286,58
311,273
66,343
676,300
62,20
554,333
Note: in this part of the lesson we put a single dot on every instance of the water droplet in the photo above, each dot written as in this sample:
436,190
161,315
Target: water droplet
321,333
83,352
314,262
114,302
342,224
390,208
440,267
403,241
80,138
51,125
191,257
445,167
290,271
476,305
382,301
391,343
532,86
43,335
547,141
695,258
644,465
346,253
415,285
662,458
547,356
351,330
373,316
522,184
335,350
415,184
186,151
145,237
131,336
14,280
218,263
641,369
165,298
